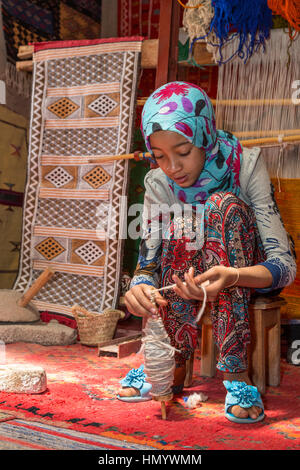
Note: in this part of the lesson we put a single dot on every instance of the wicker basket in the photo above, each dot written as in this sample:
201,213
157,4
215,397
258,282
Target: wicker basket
96,328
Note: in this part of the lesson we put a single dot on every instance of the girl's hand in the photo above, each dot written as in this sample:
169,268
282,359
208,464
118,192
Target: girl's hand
219,277
137,301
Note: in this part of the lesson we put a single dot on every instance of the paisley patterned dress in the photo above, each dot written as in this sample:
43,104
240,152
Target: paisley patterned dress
231,239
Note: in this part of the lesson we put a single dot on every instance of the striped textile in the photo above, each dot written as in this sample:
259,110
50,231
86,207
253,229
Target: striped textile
19,434
83,106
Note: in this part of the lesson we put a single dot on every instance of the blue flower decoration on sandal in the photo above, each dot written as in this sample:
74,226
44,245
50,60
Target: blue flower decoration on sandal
136,378
239,393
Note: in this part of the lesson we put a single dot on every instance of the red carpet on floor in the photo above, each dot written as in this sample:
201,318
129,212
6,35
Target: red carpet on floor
81,397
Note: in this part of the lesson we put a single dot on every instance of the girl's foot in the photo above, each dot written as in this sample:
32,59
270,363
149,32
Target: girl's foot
177,387
129,392
134,386
237,410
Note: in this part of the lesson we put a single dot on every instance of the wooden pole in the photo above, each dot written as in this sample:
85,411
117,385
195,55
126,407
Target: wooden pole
262,102
149,55
270,140
127,156
166,69
244,143
36,287
267,133
163,400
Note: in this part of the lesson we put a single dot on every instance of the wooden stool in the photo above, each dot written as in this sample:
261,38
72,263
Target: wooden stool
264,350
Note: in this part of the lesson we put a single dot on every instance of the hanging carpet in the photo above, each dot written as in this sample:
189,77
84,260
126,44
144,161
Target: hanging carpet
83,106
13,151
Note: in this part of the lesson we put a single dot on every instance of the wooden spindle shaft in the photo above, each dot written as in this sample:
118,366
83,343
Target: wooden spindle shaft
163,399
163,410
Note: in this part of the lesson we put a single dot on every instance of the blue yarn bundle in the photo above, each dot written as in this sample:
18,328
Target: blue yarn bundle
250,20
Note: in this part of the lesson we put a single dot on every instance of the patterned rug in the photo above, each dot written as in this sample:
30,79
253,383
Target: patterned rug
27,21
138,17
83,106
81,397
18,434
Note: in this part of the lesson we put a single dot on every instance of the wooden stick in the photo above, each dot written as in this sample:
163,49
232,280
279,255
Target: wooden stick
258,102
25,66
126,156
149,54
244,143
25,52
36,287
163,399
267,133
270,140
163,410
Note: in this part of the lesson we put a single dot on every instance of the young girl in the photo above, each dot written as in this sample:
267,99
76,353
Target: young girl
240,245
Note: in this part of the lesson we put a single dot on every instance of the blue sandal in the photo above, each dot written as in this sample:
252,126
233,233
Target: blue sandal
136,378
239,393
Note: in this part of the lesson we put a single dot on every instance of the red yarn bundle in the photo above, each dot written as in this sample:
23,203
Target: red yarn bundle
288,9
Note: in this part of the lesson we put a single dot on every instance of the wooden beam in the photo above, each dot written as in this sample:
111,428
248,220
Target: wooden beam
25,66
149,57
25,52
164,34
121,350
173,54
166,69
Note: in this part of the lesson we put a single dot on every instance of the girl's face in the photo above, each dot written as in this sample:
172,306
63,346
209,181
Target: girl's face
180,160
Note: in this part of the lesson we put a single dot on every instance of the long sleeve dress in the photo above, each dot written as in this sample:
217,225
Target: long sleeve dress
236,231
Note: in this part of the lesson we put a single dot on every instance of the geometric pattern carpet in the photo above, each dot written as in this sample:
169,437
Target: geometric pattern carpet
79,408
74,215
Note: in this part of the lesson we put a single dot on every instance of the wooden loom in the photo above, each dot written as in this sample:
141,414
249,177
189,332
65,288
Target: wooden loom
150,59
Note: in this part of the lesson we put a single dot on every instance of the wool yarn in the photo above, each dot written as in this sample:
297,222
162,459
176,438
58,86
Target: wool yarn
288,9
265,77
158,351
159,357
196,21
251,23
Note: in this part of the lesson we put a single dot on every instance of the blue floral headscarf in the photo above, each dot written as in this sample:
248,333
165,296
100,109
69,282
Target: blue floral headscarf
186,109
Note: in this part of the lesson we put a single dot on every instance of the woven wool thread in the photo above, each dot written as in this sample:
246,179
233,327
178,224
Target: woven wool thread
159,353
252,25
196,21
288,9
265,77
159,357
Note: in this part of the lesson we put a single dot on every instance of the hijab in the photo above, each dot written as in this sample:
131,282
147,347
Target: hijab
186,109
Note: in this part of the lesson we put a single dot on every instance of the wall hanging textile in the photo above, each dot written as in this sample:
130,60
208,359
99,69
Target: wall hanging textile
83,106
26,21
138,17
13,151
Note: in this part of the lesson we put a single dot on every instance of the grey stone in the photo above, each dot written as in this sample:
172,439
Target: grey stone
47,334
10,312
